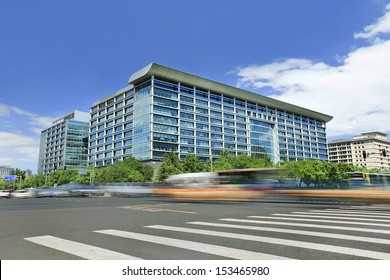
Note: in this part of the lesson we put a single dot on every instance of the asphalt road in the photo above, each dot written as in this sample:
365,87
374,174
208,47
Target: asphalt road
155,229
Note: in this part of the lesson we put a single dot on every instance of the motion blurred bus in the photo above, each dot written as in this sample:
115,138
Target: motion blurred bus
369,180
237,184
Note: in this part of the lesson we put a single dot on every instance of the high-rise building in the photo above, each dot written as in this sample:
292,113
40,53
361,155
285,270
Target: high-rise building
65,143
370,150
165,110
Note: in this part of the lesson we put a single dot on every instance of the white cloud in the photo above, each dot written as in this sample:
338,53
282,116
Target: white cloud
382,25
18,146
34,122
356,92
18,150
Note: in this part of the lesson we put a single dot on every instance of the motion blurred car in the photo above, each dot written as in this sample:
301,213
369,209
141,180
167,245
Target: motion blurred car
127,190
80,189
51,192
5,194
26,193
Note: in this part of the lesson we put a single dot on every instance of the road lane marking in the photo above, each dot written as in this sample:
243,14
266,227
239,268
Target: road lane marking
313,215
319,221
299,232
79,249
308,225
194,246
280,241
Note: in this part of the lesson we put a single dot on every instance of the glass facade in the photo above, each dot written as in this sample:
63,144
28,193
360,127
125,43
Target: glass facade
64,144
155,116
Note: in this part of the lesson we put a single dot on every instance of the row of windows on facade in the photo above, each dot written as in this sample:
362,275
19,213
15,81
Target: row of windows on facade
204,118
253,107
189,124
202,155
191,141
205,150
225,100
174,113
199,126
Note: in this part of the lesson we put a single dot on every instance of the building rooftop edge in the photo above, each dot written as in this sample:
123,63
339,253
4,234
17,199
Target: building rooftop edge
161,71
364,136
122,90
77,116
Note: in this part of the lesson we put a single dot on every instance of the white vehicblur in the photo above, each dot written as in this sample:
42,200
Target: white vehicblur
5,194
26,193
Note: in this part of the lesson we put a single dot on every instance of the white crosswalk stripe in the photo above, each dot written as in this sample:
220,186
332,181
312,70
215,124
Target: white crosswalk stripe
319,221
315,215
347,214
299,232
307,225
367,207
285,242
347,240
79,249
195,246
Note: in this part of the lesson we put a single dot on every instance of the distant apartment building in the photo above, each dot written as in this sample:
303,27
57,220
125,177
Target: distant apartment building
65,144
370,150
6,170
165,110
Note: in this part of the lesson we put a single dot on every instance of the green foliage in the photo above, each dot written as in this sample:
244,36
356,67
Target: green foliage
18,172
170,166
192,164
316,173
310,172
128,170
34,181
228,161
224,162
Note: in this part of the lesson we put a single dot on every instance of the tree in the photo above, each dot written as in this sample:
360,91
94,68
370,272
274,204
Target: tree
20,173
228,161
318,173
224,161
192,164
34,181
170,166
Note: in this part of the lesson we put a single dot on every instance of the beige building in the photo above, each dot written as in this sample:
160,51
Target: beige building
370,150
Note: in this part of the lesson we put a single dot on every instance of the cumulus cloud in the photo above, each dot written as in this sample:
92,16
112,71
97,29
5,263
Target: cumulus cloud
356,92
382,25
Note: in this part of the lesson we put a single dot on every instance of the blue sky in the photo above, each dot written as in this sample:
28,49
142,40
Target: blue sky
57,56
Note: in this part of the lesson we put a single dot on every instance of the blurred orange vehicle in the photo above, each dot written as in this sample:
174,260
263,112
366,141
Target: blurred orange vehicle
238,184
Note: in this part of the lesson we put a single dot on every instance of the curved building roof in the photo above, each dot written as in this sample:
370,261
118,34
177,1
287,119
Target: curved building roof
170,74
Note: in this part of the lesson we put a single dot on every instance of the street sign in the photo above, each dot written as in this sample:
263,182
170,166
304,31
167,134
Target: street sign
82,172
10,177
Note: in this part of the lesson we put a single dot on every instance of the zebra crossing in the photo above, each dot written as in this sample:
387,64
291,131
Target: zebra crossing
349,232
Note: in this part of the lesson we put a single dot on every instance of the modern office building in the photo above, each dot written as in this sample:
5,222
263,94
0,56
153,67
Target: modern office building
370,150
164,110
65,144
6,170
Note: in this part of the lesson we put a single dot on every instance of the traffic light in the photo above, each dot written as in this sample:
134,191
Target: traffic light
384,152
364,154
